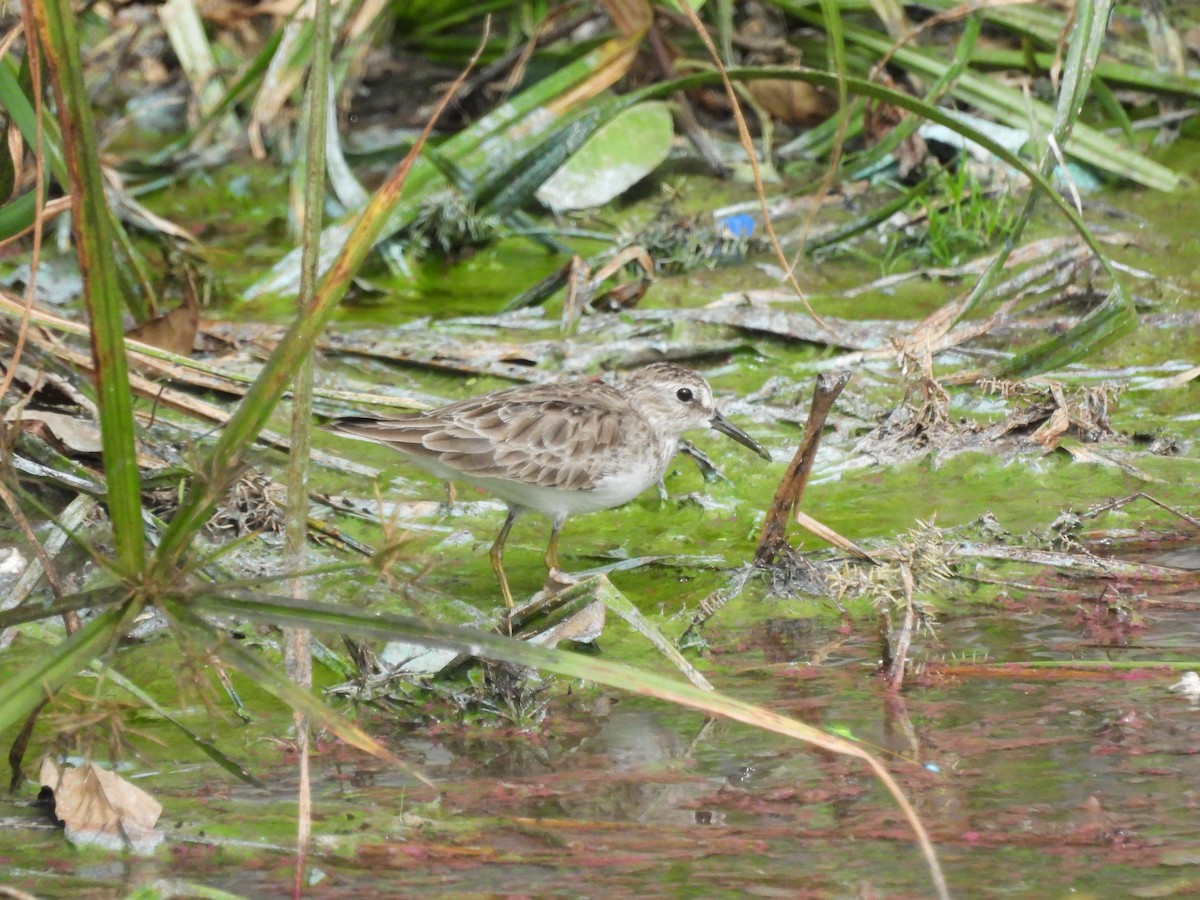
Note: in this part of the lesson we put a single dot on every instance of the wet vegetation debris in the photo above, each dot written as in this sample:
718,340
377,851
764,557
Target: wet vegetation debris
448,226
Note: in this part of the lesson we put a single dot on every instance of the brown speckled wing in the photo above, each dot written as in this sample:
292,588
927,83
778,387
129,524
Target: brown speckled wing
541,434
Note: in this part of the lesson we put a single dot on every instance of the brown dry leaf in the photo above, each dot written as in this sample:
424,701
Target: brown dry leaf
48,389
72,435
1052,430
792,102
627,294
880,119
75,435
174,331
583,626
1064,416
630,16
101,808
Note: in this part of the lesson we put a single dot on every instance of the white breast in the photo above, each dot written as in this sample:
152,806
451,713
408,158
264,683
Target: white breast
613,490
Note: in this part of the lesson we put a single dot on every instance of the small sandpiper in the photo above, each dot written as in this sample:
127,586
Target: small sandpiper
556,449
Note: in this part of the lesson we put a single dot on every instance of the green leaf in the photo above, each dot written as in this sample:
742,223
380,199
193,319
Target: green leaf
619,155
16,217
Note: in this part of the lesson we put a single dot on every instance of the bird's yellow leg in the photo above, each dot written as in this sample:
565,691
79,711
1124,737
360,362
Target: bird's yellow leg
556,578
552,547
497,555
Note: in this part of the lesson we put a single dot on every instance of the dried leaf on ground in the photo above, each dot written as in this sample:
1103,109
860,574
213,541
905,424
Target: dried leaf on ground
174,331
73,434
101,808
47,389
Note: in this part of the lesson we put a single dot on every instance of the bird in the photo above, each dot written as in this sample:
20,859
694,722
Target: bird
559,449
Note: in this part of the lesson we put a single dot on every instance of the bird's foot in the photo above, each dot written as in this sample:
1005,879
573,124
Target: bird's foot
557,581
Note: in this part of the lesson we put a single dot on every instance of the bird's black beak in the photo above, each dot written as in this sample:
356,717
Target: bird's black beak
723,425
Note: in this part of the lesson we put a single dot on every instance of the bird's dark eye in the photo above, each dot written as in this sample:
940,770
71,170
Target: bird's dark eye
684,394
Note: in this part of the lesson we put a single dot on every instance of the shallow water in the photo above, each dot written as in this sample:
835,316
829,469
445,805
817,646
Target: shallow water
1032,782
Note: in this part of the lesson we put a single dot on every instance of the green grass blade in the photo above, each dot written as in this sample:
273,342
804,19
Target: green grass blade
18,107
835,40
238,90
1106,323
875,217
903,101
1116,316
1116,73
36,610
248,419
963,54
1010,106
52,669
236,769
625,608
16,217
277,683
102,295
318,616
1083,50
1045,24
131,267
